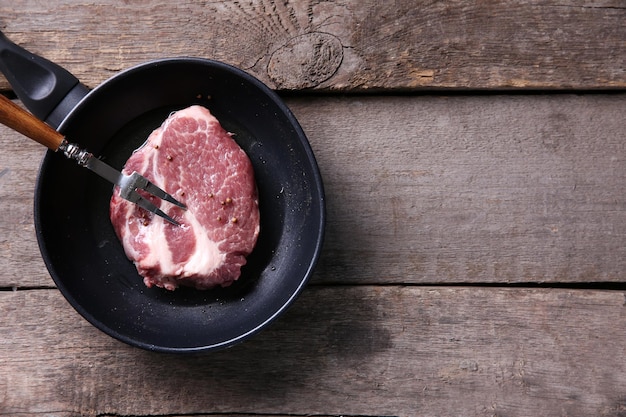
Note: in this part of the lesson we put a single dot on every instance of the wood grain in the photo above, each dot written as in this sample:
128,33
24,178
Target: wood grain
425,193
392,351
20,261
471,189
17,118
431,190
340,45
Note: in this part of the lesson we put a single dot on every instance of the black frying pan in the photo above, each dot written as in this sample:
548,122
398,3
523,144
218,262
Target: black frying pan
78,243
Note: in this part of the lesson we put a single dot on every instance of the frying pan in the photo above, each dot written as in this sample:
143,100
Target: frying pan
78,243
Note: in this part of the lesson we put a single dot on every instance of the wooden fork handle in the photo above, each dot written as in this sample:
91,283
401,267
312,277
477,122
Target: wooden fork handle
20,120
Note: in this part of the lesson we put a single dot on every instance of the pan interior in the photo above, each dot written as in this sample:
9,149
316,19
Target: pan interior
86,259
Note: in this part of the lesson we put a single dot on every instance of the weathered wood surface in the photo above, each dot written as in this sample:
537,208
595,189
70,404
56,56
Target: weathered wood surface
424,193
430,190
340,45
20,260
348,350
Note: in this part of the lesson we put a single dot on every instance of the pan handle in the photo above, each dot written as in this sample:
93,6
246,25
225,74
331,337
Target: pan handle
47,90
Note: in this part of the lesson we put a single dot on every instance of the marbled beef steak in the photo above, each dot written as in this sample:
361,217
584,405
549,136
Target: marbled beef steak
193,158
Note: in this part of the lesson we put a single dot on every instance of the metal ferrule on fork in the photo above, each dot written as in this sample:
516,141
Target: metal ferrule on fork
72,151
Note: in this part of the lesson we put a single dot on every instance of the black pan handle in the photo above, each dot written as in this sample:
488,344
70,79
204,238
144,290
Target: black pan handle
47,90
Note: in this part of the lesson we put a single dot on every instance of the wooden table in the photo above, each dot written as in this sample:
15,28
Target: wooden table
474,158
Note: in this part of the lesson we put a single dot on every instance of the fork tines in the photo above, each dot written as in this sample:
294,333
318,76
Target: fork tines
135,182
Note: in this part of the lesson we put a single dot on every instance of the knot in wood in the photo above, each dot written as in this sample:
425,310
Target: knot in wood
305,61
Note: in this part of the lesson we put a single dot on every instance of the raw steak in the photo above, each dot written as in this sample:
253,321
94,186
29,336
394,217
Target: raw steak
193,158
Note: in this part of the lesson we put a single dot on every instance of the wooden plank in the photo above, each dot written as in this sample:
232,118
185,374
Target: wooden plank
340,45
21,264
392,350
471,189
456,189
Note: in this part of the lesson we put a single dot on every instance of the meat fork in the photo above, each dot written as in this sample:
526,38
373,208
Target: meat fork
20,120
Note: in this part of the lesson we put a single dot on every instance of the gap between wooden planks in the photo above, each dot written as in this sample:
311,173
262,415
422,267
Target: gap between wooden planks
347,350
